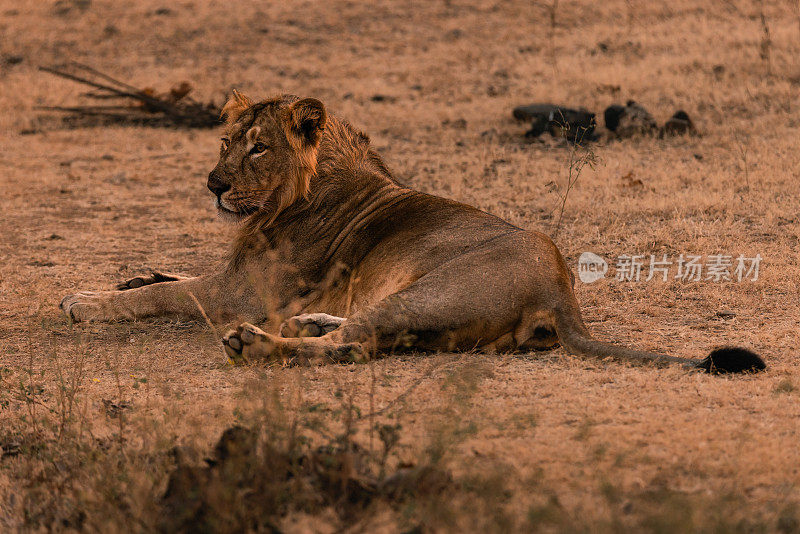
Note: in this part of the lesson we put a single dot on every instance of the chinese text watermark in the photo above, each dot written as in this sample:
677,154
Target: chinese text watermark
684,267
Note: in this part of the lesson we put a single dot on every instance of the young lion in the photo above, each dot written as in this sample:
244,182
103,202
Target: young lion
359,263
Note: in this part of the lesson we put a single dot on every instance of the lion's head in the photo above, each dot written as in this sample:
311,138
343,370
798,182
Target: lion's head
268,154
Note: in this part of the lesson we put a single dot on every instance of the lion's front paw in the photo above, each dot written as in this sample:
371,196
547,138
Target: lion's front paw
248,343
84,306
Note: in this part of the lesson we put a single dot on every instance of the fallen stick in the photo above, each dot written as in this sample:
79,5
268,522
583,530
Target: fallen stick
173,108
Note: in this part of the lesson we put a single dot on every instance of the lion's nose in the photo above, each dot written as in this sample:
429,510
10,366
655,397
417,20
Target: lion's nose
216,185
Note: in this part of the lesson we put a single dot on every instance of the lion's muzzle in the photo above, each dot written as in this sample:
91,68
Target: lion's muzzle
216,184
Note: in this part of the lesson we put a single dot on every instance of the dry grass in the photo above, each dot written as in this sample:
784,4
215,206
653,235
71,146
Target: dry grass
89,414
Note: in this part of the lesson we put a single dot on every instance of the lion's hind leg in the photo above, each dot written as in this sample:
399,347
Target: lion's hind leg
448,309
155,277
249,343
310,325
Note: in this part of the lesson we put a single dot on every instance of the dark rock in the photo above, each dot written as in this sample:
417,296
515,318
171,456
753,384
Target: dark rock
532,111
382,98
629,120
612,115
576,125
680,124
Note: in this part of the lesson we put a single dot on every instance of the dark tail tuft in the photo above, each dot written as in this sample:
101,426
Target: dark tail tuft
732,360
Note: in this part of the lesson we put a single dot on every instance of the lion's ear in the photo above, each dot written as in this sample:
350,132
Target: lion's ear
235,106
307,120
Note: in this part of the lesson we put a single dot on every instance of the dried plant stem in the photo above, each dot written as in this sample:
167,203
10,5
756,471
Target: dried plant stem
741,146
765,46
575,165
553,11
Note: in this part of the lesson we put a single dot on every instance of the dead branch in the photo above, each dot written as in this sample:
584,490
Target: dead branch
144,106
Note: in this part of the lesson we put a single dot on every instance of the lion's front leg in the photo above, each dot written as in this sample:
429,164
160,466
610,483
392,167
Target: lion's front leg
95,306
211,296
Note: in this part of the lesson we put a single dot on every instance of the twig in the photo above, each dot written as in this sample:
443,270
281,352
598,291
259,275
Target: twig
433,368
553,9
741,144
104,76
174,108
210,324
135,95
765,45
575,165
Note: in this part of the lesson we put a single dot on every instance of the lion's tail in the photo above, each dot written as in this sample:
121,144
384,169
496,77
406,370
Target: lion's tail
575,338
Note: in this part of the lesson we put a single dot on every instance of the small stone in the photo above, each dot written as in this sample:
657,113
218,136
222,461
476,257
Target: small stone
679,124
629,120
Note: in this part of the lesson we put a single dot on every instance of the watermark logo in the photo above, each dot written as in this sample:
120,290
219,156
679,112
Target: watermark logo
591,267
686,268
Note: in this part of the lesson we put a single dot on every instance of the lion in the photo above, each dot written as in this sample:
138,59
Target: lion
350,263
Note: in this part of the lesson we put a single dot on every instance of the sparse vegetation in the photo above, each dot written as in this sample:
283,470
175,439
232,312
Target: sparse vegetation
578,158
765,44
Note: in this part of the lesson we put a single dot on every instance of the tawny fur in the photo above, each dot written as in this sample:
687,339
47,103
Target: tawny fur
368,265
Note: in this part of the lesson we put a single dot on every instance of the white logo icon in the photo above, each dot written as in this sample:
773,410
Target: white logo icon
591,267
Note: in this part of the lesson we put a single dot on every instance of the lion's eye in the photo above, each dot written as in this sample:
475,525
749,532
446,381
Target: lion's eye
258,148
225,143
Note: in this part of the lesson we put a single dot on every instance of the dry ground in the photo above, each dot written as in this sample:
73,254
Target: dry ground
541,441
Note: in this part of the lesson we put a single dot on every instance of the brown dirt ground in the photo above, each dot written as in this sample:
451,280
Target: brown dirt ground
579,445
